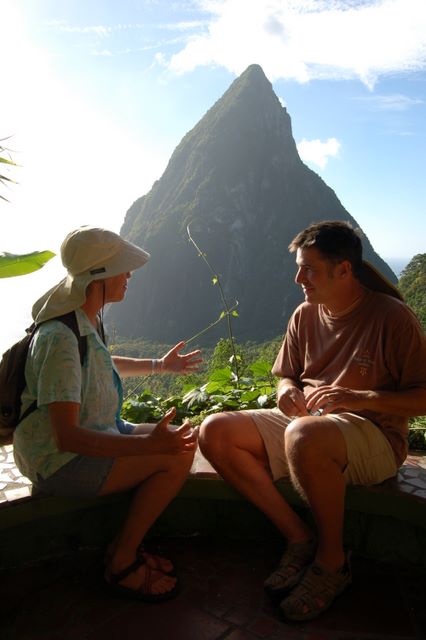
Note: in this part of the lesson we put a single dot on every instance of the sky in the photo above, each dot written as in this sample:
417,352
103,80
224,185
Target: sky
95,96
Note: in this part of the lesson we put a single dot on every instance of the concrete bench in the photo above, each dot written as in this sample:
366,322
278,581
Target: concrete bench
386,521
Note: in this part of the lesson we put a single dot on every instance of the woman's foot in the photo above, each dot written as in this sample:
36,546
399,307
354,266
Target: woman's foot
138,580
153,560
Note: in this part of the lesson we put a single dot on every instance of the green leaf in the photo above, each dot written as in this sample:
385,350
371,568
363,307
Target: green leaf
19,265
261,368
235,314
215,280
221,375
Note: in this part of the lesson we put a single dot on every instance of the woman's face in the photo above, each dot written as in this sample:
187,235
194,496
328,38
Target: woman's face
116,287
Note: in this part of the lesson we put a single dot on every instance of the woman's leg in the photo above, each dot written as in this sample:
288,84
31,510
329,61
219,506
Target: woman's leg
157,480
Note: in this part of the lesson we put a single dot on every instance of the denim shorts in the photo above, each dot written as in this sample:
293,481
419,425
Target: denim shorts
83,476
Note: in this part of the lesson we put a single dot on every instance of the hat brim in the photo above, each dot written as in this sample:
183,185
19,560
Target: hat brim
70,293
371,278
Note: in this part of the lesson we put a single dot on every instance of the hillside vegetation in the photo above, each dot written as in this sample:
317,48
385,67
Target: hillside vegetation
412,285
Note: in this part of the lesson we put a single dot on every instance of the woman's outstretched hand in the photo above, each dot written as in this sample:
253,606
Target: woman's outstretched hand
174,441
174,362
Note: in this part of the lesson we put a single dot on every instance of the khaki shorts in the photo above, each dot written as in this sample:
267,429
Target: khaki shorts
370,456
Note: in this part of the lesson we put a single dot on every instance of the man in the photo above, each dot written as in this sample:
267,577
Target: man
352,369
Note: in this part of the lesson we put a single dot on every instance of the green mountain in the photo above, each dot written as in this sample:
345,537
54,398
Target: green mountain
412,285
236,178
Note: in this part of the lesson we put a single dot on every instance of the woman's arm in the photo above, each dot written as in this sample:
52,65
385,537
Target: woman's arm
172,362
69,436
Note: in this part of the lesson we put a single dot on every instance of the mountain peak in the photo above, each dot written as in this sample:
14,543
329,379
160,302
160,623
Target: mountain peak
236,178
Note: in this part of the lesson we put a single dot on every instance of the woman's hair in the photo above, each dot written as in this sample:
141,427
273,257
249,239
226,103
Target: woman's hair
335,240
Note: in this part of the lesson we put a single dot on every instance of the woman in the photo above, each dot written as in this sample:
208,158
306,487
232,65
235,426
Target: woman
75,443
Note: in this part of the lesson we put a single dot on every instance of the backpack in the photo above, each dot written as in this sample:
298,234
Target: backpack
12,377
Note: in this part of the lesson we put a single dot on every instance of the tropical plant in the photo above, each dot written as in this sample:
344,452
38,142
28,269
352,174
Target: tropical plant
220,393
6,159
12,264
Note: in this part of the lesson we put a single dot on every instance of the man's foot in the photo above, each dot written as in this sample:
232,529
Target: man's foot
139,581
315,592
296,558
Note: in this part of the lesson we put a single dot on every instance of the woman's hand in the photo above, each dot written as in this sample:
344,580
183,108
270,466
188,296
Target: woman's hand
174,362
172,441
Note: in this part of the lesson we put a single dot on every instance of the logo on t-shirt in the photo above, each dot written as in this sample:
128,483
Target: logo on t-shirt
364,362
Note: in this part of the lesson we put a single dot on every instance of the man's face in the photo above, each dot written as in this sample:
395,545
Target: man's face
316,276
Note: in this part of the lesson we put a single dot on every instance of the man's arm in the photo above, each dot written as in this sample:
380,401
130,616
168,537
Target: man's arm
405,402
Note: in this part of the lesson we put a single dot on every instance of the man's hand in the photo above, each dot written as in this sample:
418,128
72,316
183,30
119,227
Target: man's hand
291,401
329,398
172,441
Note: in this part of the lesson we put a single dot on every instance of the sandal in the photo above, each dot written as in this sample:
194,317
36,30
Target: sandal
143,593
297,557
158,563
315,592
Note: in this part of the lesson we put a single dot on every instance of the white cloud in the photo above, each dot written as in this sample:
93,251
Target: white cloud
395,102
310,39
103,52
318,152
99,30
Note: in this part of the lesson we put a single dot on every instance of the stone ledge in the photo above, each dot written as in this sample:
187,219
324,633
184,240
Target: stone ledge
386,521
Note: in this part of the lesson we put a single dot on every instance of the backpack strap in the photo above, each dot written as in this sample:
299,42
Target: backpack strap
70,320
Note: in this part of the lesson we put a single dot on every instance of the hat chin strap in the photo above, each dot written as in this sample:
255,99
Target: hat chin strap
101,315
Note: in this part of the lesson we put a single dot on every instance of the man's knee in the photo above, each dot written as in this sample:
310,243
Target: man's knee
214,433
313,440
302,441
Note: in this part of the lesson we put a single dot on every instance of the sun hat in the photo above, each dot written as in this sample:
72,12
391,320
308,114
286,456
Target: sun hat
372,278
88,253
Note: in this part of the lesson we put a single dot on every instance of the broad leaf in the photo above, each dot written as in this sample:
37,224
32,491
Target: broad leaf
19,265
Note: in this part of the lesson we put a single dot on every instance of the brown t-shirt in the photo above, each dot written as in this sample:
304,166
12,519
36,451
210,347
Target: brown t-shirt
379,345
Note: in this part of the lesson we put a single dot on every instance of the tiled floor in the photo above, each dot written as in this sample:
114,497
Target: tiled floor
221,595
221,598
13,484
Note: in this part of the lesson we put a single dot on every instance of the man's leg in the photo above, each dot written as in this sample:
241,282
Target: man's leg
317,456
232,444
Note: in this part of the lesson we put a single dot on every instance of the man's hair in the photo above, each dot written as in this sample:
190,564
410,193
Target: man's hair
334,239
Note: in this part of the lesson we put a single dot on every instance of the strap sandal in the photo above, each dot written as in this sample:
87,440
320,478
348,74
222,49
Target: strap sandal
315,592
296,558
156,562
144,592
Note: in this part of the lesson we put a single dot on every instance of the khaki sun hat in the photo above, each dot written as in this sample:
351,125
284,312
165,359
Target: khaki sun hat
88,253
372,278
